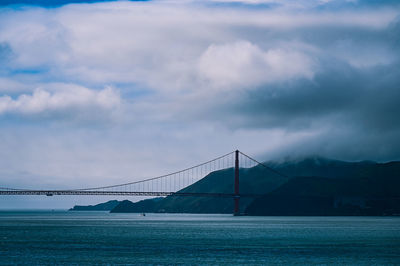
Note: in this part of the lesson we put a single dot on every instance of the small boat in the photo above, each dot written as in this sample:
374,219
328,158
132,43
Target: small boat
143,214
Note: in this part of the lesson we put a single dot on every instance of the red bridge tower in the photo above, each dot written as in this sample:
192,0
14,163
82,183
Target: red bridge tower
237,196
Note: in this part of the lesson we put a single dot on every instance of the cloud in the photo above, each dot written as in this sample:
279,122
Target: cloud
65,99
119,42
299,4
275,63
242,64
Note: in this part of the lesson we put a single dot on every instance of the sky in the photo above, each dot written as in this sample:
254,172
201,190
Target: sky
110,92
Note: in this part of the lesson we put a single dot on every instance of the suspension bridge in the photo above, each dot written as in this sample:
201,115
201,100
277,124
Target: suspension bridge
171,184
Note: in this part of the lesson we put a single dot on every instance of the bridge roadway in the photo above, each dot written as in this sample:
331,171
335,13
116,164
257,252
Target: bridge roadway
121,193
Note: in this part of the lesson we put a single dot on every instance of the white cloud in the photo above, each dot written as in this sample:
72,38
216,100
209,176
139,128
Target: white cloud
61,98
155,44
9,85
244,65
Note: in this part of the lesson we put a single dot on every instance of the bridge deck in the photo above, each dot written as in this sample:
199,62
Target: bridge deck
119,193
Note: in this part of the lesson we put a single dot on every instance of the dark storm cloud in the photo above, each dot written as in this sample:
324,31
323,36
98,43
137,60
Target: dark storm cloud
351,105
355,109
337,90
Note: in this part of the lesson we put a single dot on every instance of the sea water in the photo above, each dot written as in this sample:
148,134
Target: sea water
101,238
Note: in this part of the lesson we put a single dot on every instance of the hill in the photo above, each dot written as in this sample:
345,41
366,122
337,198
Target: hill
364,188
148,205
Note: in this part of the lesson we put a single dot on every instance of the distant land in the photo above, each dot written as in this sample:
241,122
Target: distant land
315,186
106,206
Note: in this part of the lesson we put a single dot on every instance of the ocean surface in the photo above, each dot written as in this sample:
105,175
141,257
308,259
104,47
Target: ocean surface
101,238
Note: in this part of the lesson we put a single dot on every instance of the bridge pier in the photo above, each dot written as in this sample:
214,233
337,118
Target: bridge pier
236,198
